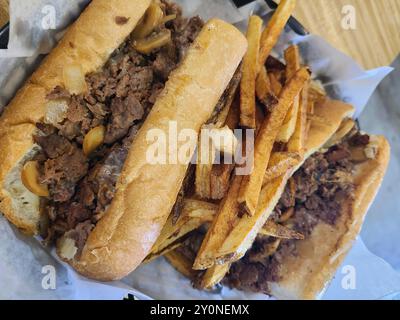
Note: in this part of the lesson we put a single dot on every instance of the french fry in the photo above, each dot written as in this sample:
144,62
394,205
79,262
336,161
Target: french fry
228,113
220,180
223,223
275,84
213,276
274,28
222,110
264,91
259,119
250,71
279,163
246,229
292,58
251,185
205,158
276,230
232,119
297,141
181,263
263,84
163,251
194,214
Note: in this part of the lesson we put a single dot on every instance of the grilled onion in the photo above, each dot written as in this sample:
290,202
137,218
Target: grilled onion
93,139
151,43
151,20
30,179
74,79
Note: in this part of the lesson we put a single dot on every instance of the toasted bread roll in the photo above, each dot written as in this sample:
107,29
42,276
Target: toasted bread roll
89,42
145,192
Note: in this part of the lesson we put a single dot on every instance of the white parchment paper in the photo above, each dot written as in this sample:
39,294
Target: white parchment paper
25,266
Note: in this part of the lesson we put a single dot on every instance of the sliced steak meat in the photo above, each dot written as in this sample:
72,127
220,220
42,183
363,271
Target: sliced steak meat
62,174
54,145
80,234
58,93
359,140
123,115
77,110
336,154
321,185
165,62
98,110
186,34
46,129
69,129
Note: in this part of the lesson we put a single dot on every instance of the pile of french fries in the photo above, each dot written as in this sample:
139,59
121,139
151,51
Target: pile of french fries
276,99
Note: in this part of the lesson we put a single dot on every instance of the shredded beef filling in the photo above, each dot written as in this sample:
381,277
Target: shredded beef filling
119,98
313,195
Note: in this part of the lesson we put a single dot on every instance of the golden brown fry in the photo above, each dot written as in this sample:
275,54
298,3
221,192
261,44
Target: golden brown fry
220,180
279,164
298,139
251,185
232,119
250,71
275,27
213,275
223,223
263,84
163,251
181,263
292,57
205,159
244,232
276,230
222,110
194,214
264,91
275,84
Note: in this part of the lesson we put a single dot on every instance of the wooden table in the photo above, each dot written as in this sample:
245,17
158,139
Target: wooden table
374,42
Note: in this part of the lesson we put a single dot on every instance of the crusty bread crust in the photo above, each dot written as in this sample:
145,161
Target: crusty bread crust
89,42
146,193
306,275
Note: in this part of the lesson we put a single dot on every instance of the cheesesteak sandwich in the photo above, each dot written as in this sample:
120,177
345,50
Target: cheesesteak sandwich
316,211
73,165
